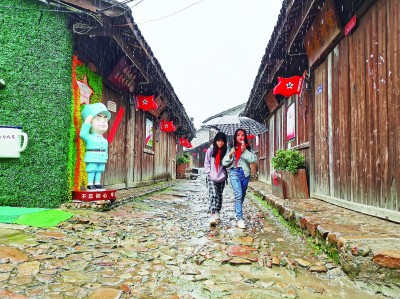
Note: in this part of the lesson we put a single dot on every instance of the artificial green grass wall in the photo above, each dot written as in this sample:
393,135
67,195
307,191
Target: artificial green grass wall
35,62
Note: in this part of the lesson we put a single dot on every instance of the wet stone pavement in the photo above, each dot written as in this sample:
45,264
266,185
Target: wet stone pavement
161,246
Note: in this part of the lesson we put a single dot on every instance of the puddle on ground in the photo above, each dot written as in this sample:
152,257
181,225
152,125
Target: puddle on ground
202,267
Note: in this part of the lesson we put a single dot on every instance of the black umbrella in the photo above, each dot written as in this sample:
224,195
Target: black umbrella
230,123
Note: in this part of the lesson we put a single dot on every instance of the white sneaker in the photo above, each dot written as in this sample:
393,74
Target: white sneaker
241,224
213,220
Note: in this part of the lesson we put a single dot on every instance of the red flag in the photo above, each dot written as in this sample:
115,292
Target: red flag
167,126
146,103
275,179
289,86
115,126
185,143
251,136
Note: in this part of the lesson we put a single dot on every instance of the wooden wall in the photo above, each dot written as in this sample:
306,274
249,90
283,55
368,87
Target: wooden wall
356,116
130,163
119,154
275,138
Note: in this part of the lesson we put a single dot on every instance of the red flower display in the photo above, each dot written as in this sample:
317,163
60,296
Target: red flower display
289,86
146,103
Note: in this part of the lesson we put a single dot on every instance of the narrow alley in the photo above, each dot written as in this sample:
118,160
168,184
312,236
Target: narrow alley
161,246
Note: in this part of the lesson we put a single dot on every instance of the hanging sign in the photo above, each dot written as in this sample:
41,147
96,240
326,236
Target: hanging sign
350,25
322,32
271,101
122,76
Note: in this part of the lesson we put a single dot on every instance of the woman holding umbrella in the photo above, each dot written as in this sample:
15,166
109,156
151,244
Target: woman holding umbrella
237,161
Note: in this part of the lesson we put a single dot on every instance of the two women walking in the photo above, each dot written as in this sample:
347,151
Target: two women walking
236,161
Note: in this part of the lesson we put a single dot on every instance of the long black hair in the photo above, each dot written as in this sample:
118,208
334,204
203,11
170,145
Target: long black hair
219,136
246,141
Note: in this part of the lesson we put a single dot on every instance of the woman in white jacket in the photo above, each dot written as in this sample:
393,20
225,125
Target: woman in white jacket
237,162
216,175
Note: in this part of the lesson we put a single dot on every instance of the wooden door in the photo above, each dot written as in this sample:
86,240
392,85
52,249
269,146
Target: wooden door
115,173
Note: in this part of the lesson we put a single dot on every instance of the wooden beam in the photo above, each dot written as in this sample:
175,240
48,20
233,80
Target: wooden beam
96,6
118,38
275,42
305,10
275,68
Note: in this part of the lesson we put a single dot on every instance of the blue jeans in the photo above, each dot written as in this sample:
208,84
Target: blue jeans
239,185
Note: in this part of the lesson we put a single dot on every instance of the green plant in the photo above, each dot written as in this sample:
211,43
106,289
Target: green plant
183,159
35,63
289,159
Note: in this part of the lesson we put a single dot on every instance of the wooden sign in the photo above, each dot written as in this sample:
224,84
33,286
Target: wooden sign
350,25
123,75
97,194
161,105
322,33
271,101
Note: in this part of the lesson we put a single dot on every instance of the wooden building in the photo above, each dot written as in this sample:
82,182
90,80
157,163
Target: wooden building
107,41
56,56
346,118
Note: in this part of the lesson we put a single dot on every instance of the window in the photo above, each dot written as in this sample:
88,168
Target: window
149,133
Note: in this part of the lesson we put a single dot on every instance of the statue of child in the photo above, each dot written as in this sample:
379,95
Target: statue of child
96,117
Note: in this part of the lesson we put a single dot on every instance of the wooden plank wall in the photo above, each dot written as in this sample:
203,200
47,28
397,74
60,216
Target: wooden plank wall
172,155
321,183
115,172
270,146
262,157
356,123
161,158
144,160
393,102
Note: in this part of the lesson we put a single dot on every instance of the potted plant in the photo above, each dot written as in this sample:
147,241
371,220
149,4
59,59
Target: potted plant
182,162
289,176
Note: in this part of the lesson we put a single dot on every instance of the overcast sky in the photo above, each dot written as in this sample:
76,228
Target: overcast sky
210,50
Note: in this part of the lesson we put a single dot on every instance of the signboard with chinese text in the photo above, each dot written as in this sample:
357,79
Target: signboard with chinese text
94,195
161,105
322,33
123,75
350,25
